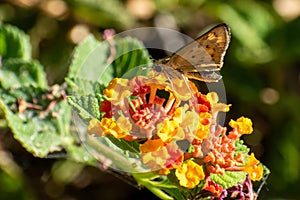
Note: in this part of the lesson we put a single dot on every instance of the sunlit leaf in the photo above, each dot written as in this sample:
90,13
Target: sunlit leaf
81,86
89,61
130,53
87,107
40,136
229,179
131,146
18,73
14,43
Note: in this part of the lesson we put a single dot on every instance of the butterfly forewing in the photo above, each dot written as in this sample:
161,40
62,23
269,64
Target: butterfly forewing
204,54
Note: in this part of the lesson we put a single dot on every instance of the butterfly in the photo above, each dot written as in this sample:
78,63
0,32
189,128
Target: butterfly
200,59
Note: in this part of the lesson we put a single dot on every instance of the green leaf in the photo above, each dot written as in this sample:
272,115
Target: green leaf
229,179
88,75
130,53
90,61
40,136
170,187
14,43
17,73
22,80
130,146
174,192
87,107
146,180
81,86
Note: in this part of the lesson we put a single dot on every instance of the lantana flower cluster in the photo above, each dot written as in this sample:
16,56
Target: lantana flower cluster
175,127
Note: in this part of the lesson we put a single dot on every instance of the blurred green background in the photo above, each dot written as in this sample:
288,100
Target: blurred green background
261,76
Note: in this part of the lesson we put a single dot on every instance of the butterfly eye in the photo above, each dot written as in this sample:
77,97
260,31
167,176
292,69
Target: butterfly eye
157,68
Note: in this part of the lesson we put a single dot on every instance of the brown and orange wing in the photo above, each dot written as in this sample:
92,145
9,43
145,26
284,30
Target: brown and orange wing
206,53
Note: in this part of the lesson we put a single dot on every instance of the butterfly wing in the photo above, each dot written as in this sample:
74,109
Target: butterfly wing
204,54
